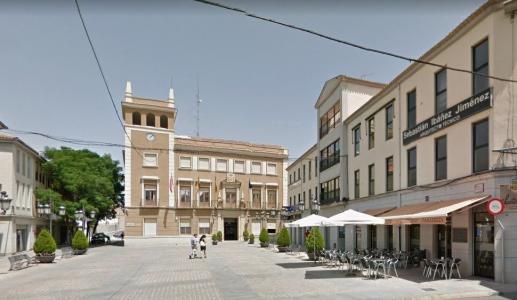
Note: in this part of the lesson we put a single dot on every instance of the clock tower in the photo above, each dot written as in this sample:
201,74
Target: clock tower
148,154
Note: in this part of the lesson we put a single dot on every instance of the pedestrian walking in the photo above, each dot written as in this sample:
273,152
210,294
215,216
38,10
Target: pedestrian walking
202,243
193,244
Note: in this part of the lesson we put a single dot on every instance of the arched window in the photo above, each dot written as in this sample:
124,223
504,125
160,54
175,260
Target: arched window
149,120
136,118
163,121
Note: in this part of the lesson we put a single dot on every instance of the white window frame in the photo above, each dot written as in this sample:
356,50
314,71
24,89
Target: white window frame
256,163
243,162
191,187
181,221
199,164
209,187
204,227
142,180
190,164
267,169
150,165
217,165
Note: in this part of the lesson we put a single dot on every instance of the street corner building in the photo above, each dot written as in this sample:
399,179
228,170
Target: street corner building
180,185
20,175
428,151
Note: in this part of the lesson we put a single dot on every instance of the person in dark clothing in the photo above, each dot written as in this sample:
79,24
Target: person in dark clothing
202,243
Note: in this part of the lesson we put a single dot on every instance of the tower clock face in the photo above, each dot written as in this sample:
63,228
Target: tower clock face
150,137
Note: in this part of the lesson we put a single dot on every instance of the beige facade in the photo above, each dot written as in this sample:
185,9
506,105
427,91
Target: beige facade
180,185
436,135
303,189
20,175
303,179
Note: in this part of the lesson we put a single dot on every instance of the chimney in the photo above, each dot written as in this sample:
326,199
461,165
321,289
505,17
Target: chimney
129,92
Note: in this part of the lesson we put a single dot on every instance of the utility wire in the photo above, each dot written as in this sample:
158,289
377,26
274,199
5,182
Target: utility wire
107,144
103,76
354,45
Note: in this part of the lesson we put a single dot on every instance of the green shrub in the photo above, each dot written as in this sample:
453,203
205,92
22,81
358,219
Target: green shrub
264,237
246,235
219,236
284,239
252,239
214,237
314,236
79,242
45,243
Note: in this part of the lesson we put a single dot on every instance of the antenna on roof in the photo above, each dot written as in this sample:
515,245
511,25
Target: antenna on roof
198,104
364,76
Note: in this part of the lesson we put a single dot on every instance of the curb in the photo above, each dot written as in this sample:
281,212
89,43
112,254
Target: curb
476,294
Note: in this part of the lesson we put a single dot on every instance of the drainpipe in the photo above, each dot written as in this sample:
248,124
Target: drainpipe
398,116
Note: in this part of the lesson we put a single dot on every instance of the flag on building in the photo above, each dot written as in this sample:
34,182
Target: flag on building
171,183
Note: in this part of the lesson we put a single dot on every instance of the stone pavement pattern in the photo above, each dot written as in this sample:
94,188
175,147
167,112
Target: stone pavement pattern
160,269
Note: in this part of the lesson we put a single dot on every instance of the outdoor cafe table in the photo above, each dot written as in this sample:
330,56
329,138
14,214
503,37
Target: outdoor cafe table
445,262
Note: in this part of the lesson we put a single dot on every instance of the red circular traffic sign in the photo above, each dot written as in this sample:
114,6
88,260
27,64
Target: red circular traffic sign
495,206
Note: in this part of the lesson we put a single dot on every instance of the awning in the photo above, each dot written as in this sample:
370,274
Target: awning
429,212
378,211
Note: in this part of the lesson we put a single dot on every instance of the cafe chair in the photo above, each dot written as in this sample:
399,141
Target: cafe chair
455,264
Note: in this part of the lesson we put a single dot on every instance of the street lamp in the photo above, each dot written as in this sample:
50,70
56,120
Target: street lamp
301,206
5,202
92,214
79,214
46,210
315,206
62,210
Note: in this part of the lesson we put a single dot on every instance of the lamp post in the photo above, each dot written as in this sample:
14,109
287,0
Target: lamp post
5,202
81,215
46,210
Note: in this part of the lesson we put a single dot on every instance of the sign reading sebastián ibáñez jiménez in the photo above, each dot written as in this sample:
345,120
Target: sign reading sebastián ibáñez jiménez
452,115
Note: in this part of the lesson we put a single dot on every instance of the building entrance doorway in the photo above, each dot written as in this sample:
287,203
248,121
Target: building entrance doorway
21,238
443,239
230,229
483,244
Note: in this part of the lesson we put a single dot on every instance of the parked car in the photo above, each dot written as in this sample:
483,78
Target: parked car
99,238
119,234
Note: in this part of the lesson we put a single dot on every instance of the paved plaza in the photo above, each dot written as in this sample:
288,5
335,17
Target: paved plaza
160,269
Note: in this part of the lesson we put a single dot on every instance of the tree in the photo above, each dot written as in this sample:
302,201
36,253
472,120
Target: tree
284,239
81,179
264,237
314,241
45,243
79,242
246,235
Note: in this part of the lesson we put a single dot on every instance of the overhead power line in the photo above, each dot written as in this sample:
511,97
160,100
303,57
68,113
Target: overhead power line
82,142
354,45
102,74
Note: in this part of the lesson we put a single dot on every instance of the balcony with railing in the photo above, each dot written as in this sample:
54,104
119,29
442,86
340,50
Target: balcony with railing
204,203
185,203
271,204
256,204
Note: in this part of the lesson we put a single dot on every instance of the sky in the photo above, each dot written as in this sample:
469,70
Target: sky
258,81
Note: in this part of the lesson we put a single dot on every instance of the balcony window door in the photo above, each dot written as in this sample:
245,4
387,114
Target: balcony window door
271,198
150,188
256,198
204,196
185,196
231,197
